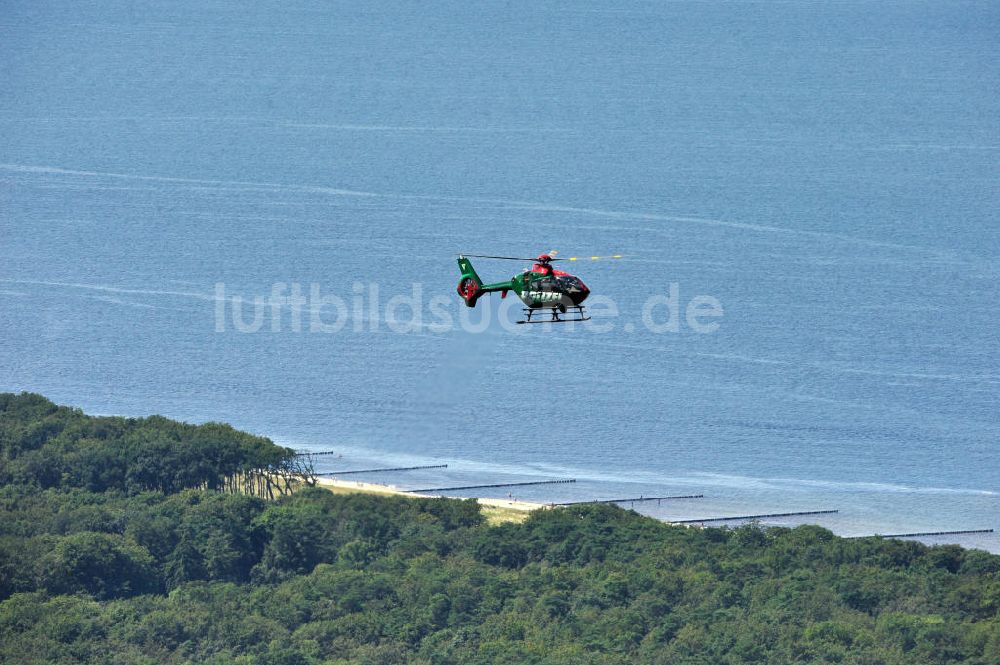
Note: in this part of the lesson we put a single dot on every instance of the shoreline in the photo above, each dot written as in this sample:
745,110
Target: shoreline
498,511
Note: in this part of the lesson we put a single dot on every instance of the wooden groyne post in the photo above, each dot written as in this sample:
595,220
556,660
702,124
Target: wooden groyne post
476,487
925,533
754,517
398,468
632,500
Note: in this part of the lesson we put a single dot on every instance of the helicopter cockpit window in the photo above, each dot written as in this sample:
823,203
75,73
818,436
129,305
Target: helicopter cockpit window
560,283
569,284
545,284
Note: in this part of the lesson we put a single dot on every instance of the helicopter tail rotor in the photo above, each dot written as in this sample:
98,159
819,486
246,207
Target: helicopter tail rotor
470,287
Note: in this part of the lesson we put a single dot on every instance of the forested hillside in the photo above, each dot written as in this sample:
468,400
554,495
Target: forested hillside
135,541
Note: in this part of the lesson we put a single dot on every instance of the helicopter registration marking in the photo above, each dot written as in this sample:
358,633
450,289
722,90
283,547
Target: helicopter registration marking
544,296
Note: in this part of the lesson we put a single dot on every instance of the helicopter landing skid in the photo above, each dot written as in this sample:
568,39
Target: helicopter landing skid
577,312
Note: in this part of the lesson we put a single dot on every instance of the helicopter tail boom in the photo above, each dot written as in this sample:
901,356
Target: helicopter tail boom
471,287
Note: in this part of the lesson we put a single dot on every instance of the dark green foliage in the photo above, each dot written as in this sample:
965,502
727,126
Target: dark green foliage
99,564
49,446
199,576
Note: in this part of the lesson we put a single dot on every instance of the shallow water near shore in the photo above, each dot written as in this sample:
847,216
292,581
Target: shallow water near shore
826,171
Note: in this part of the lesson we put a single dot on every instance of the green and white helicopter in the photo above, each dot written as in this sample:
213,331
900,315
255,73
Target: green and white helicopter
540,287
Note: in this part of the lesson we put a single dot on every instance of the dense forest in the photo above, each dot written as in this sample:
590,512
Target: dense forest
141,541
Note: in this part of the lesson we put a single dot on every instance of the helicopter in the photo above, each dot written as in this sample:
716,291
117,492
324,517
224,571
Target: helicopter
540,287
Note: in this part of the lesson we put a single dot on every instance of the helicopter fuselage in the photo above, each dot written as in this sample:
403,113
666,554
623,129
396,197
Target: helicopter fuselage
549,288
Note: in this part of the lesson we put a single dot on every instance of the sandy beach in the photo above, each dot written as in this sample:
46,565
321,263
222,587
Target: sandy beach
335,484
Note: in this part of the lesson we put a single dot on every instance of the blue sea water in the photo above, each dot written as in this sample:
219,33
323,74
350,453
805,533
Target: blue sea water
827,171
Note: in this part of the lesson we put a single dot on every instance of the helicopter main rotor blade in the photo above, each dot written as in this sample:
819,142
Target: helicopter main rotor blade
536,258
504,258
589,258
